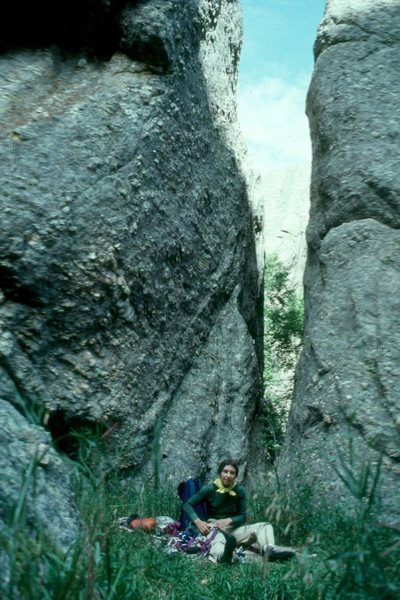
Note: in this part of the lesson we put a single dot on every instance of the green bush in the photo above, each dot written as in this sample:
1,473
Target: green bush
284,312
283,338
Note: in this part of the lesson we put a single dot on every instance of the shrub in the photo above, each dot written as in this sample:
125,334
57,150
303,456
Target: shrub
283,337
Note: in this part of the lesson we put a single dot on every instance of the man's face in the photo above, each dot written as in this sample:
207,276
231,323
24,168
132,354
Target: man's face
228,475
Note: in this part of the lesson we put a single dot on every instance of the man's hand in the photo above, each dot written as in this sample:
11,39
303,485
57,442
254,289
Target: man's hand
203,526
223,523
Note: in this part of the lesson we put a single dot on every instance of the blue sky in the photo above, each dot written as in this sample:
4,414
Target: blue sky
275,71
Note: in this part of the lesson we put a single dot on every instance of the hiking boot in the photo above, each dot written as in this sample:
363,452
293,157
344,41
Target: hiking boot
277,552
230,545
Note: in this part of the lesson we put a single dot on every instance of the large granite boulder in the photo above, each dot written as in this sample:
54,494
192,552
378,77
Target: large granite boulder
345,409
130,294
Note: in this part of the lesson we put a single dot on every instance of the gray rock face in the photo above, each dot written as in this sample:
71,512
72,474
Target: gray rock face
286,193
348,385
34,484
129,284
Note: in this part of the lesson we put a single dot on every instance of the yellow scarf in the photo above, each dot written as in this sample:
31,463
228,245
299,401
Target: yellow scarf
221,489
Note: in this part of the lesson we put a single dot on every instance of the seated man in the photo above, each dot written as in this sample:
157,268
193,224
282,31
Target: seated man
226,509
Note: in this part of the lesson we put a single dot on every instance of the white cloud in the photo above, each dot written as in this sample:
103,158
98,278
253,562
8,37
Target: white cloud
272,117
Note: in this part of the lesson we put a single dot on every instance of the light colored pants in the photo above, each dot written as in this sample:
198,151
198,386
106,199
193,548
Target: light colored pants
263,531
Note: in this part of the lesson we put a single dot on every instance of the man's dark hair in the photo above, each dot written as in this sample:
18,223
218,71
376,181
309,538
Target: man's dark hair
230,462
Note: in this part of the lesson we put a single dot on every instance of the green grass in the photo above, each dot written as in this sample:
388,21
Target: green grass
355,557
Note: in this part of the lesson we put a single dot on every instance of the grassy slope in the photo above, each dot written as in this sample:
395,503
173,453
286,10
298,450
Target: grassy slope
354,558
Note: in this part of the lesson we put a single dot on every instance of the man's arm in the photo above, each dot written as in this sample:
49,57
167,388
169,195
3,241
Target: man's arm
240,518
188,507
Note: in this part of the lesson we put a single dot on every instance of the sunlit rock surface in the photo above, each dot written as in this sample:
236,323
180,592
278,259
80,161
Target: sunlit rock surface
130,296
346,404
286,199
